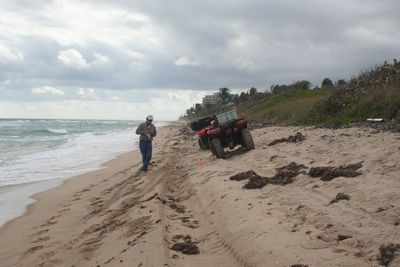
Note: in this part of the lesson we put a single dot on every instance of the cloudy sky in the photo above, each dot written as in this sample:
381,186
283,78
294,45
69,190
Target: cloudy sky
123,59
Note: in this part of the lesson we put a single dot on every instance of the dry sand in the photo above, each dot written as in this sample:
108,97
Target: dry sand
118,216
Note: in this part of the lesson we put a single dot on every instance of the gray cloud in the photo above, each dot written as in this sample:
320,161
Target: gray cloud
234,43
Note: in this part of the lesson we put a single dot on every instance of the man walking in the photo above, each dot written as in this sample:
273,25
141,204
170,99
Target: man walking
147,131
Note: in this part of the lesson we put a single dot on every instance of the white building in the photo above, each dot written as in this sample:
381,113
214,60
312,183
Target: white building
211,99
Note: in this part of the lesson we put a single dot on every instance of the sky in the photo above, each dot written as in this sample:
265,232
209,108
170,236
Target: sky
125,59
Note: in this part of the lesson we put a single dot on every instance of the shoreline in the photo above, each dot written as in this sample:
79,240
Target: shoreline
50,184
118,216
17,198
31,189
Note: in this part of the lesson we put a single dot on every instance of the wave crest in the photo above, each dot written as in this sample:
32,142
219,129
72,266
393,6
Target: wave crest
57,131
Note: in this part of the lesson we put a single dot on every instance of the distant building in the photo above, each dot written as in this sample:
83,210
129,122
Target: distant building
211,99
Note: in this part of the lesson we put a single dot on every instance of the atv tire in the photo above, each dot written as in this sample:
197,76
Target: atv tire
247,139
205,142
202,144
217,149
211,147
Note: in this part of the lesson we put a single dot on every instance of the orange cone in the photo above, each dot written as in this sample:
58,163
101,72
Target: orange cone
201,164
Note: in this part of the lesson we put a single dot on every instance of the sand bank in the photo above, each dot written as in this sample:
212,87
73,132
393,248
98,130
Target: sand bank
119,216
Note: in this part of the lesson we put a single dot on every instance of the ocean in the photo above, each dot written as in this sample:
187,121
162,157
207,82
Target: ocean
37,154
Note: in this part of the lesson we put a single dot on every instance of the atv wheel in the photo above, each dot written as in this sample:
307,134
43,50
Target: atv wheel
247,139
216,147
205,142
211,147
202,144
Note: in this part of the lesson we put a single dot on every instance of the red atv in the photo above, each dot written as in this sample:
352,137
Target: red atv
223,130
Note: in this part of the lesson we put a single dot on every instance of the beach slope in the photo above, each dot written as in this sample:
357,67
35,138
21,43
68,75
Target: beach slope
186,211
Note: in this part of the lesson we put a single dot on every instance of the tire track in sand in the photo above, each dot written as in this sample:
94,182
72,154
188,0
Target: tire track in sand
183,213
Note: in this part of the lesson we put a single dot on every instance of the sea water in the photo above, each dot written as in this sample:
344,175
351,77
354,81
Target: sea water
37,154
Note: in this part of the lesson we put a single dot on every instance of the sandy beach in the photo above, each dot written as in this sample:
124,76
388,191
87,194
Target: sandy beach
118,216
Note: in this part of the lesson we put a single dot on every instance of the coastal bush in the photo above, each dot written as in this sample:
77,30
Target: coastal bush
291,107
374,93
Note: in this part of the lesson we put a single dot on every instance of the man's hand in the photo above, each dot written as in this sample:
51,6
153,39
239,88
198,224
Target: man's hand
144,131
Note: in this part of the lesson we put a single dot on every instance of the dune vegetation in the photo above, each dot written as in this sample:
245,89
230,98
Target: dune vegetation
374,93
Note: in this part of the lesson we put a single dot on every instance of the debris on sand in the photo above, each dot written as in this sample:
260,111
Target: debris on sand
187,246
242,176
256,181
178,208
299,265
297,138
329,173
380,209
387,253
343,237
340,196
280,140
284,175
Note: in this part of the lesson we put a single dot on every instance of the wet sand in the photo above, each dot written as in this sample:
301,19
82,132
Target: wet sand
118,216
15,198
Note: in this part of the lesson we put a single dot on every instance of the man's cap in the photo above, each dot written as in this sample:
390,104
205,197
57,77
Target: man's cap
149,117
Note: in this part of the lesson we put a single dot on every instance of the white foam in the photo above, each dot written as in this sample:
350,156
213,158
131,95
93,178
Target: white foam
58,131
12,123
80,154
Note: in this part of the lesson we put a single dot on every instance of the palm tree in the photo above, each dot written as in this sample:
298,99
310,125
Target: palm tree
224,94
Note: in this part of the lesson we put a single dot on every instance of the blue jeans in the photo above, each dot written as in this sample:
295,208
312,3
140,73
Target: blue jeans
146,150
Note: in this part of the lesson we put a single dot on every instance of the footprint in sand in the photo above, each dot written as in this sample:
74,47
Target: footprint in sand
91,244
41,239
54,217
41,232
33,249
64,205
46,258
47,255
107,191
84,190
50,221
64,210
